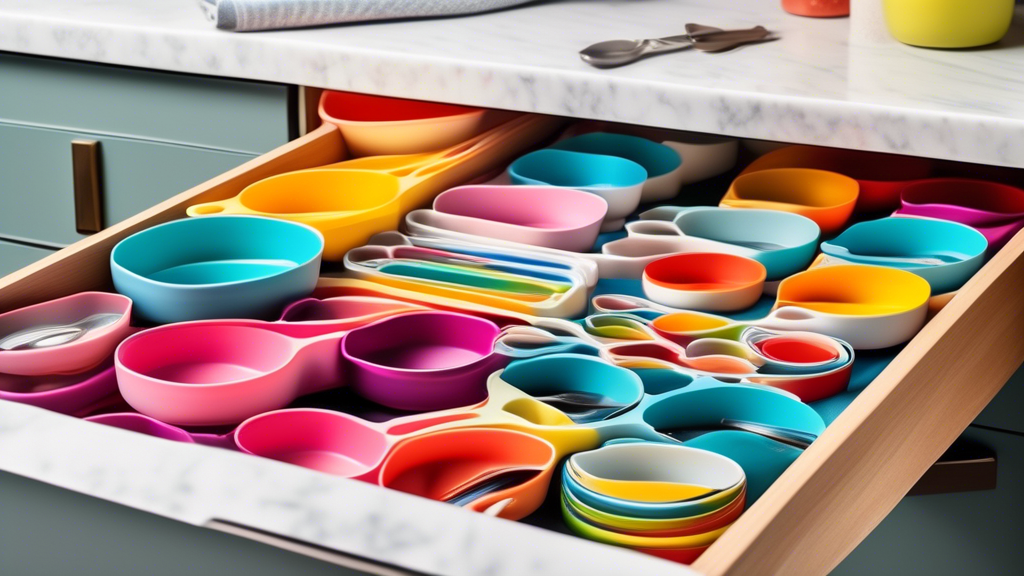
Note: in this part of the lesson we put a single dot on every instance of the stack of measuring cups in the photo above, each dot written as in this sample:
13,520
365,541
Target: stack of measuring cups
666,500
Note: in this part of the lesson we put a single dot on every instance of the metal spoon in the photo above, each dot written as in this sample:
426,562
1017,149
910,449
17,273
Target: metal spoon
479,486
584,407
49,336
614,53
789,436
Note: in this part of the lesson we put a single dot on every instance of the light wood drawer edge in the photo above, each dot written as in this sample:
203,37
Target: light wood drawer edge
867,460
84,265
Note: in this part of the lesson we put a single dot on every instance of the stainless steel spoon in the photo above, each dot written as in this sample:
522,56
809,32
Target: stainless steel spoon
49,336
614,53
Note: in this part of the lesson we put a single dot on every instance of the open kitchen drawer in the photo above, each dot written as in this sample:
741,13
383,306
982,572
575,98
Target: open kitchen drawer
814,515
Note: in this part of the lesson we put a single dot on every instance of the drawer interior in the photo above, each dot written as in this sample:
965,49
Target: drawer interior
917,404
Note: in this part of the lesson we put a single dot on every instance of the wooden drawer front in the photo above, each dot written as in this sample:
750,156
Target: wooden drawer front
949,534
1006,412
14,256
36,179
806,523
226,114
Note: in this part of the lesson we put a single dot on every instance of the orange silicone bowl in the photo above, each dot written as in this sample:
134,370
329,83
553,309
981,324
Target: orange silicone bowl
826,197
817,8
705,281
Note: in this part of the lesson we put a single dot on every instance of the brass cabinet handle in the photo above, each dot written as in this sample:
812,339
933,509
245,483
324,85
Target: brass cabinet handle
85,159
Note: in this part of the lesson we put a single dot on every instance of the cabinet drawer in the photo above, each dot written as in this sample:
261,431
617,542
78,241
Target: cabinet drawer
963,533
37,179
814,515
14,256
228,114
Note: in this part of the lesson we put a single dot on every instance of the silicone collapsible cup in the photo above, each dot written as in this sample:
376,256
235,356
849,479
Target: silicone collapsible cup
827,198
152,427
378,125
440,464
948,23
783,241
535,287
880,176
705,281
350,201
653,472
67,394
664,165
560,218
944,253
996,210
79,355
223,267
869,307
618,181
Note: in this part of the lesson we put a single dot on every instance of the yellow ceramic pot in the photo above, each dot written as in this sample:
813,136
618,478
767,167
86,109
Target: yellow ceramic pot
948,23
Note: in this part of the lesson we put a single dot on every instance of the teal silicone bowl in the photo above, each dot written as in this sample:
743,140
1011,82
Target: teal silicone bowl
954,251
217,267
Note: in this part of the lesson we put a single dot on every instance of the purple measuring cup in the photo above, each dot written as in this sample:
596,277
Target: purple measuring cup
152,427
996,210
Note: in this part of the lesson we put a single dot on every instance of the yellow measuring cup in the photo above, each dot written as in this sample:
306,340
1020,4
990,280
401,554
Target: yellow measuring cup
350,201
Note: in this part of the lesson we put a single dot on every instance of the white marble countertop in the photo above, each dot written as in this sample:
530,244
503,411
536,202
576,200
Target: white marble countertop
196,484
812,86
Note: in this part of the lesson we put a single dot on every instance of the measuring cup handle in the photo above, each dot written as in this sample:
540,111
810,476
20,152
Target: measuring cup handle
789,318
227,206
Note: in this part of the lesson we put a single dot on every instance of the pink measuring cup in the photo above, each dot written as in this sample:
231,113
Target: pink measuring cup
67,394
78,355
216,372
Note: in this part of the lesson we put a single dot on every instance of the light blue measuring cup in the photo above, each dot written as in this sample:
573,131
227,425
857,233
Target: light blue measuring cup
217,267
664,165
944,253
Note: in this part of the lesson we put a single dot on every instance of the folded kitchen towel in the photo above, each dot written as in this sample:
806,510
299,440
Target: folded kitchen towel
249,15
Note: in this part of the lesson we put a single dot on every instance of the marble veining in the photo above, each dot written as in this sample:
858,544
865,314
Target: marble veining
818,84
195,484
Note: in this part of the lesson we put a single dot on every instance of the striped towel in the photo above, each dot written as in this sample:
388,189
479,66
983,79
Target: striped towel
249,15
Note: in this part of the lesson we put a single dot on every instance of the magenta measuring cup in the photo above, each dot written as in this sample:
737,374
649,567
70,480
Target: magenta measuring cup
143,424
996,210
67,394
423,361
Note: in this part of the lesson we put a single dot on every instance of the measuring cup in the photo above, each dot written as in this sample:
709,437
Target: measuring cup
541,289
350,201
946,254
783,241
827,198
223,267
428,360
482,469
869,307
152,427
67,394
378,125
705,281
664,165
618,181
69,350
371,308
704,155
996,210
349,446
560,218
880,176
